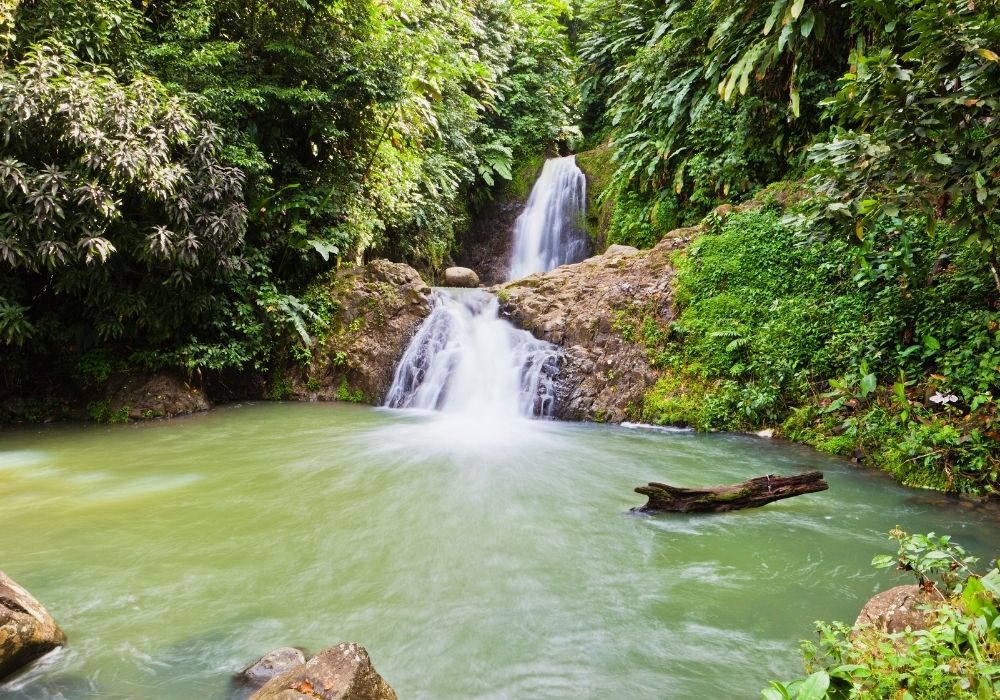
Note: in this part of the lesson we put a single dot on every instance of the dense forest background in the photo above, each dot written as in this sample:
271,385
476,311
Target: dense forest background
175,174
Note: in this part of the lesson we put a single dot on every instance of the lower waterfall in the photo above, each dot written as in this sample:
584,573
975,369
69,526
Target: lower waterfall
466,359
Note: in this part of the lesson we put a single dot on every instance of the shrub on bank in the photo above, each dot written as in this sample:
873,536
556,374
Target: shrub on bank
956,657
891,355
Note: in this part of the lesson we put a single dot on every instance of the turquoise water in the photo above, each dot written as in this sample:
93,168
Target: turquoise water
473,561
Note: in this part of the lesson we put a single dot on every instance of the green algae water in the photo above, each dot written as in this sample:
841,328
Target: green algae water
473,559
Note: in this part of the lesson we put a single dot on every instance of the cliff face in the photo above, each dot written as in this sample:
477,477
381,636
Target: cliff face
588,309
379,307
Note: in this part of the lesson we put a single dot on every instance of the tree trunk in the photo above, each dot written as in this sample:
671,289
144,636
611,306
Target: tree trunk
719,499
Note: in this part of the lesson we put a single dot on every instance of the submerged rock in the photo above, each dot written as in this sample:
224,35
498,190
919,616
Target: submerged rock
460,277
270,665
27,631
596,311
377,309
342,672
898,608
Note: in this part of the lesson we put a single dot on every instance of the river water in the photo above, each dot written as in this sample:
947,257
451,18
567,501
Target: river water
473,559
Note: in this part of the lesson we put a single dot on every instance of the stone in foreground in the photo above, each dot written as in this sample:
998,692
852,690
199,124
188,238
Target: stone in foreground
899,608
460,277
270,665
27,631
342,672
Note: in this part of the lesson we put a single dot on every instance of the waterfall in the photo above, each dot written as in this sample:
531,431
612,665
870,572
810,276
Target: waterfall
548,233
465,359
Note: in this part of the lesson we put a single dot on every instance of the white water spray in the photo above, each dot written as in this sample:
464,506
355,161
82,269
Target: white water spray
467,360
548,233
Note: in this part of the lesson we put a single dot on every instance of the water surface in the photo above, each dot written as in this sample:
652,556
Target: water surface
473,560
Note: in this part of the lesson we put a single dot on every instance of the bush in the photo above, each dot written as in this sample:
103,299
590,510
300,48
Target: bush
848,355
956,657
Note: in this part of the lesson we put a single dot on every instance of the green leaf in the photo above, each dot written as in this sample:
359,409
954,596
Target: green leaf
776,10
814,687
777,691
806,26
796,11
942,158
991,582
883,561
323,248
868,384
931,343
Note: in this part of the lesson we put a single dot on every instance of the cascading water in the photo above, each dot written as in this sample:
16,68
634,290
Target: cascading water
548,232
467,360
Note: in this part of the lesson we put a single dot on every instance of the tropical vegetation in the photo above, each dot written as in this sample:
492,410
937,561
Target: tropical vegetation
175,176
175,173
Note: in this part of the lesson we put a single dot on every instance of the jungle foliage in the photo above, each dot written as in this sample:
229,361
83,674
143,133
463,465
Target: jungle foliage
864,316
887,104
174,173
773,332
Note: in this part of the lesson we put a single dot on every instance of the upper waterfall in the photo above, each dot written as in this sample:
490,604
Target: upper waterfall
466,359
548,233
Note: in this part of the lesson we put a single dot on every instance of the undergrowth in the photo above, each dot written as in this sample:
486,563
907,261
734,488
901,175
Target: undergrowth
890,356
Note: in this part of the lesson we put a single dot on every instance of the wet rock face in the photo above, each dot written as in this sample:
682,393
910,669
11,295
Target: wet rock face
897,608
27,631
488,244
594,310
379,307
342,672
270,665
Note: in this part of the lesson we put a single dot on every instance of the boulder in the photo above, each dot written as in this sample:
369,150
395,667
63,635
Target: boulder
142,396
270,665
27,631
460,277
898,608
618,249
342,672
377,309
597,310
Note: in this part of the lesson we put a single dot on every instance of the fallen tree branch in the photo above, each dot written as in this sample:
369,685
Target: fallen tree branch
719,499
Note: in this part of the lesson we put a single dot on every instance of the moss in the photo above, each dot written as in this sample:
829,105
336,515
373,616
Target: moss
281,389
599,168
725,497
524,178
678,399
344,393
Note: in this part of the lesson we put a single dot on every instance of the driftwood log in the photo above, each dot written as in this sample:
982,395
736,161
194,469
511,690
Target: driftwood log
719,499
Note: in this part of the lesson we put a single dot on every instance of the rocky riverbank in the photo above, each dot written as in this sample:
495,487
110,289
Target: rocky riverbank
377,309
